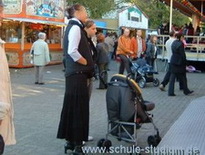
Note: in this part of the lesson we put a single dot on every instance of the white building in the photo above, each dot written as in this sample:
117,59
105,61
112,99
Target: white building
126,16
133,17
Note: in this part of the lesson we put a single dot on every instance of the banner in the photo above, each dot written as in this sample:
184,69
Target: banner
46,8
13,6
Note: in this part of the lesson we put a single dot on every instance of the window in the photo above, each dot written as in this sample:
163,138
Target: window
11,32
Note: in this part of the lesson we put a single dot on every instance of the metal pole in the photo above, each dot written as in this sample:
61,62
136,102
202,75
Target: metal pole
22,36
170,17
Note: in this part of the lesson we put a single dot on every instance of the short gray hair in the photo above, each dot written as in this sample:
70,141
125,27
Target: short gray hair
41,35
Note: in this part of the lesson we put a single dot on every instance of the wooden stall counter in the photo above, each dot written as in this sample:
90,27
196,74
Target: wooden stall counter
18,58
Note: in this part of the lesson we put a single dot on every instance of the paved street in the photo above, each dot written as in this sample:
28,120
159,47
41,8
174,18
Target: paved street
37,110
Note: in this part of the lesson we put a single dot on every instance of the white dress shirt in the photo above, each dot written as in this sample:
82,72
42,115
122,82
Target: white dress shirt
74,37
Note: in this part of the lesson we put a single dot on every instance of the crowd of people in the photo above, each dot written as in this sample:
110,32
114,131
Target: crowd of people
186,29
81,55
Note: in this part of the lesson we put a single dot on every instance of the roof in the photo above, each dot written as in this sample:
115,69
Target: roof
133,6
189,7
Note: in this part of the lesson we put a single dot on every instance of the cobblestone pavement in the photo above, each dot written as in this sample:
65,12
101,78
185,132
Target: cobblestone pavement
37,110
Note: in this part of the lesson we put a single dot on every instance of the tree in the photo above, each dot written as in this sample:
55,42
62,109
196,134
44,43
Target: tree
158,12
96,8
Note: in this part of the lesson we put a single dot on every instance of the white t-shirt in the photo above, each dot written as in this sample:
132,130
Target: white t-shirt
168,46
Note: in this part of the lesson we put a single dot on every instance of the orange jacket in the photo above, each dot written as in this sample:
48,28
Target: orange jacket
134,46
124,46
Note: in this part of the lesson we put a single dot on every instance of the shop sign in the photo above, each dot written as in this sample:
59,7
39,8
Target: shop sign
13,6
36,26
45,8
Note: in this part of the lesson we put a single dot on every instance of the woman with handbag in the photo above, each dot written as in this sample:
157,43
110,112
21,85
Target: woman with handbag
102,60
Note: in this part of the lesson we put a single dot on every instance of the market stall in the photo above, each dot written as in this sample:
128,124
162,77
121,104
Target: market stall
23,20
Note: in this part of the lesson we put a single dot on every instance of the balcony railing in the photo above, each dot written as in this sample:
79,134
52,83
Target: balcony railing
195,49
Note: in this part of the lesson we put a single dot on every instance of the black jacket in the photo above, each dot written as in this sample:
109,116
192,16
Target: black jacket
178,59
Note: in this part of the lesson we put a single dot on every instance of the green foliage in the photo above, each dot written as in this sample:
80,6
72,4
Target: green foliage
96,8
158,12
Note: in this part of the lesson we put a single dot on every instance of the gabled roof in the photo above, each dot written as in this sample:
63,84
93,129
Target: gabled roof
133,6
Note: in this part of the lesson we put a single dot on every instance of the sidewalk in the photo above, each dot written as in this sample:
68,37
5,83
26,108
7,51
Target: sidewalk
38,108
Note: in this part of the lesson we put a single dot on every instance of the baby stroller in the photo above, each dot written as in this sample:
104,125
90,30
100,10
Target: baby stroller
127,111
143,73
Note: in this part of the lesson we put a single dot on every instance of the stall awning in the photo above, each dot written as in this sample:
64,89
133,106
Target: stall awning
37,21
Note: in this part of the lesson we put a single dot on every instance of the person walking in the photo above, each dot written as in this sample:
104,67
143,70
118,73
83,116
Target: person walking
7,130
102,59
40,53
168,46
138,45
178,66
74,119
124,51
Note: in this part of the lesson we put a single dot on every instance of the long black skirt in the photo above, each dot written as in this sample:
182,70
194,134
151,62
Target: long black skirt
74,122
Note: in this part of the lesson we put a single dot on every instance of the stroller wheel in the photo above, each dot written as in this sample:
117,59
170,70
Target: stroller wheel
107,144
142,82
156,82
153,140
100,142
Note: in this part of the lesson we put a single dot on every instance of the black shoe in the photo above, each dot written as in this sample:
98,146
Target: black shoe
36,82
69,146
42,83
189,92
78,150
171,95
